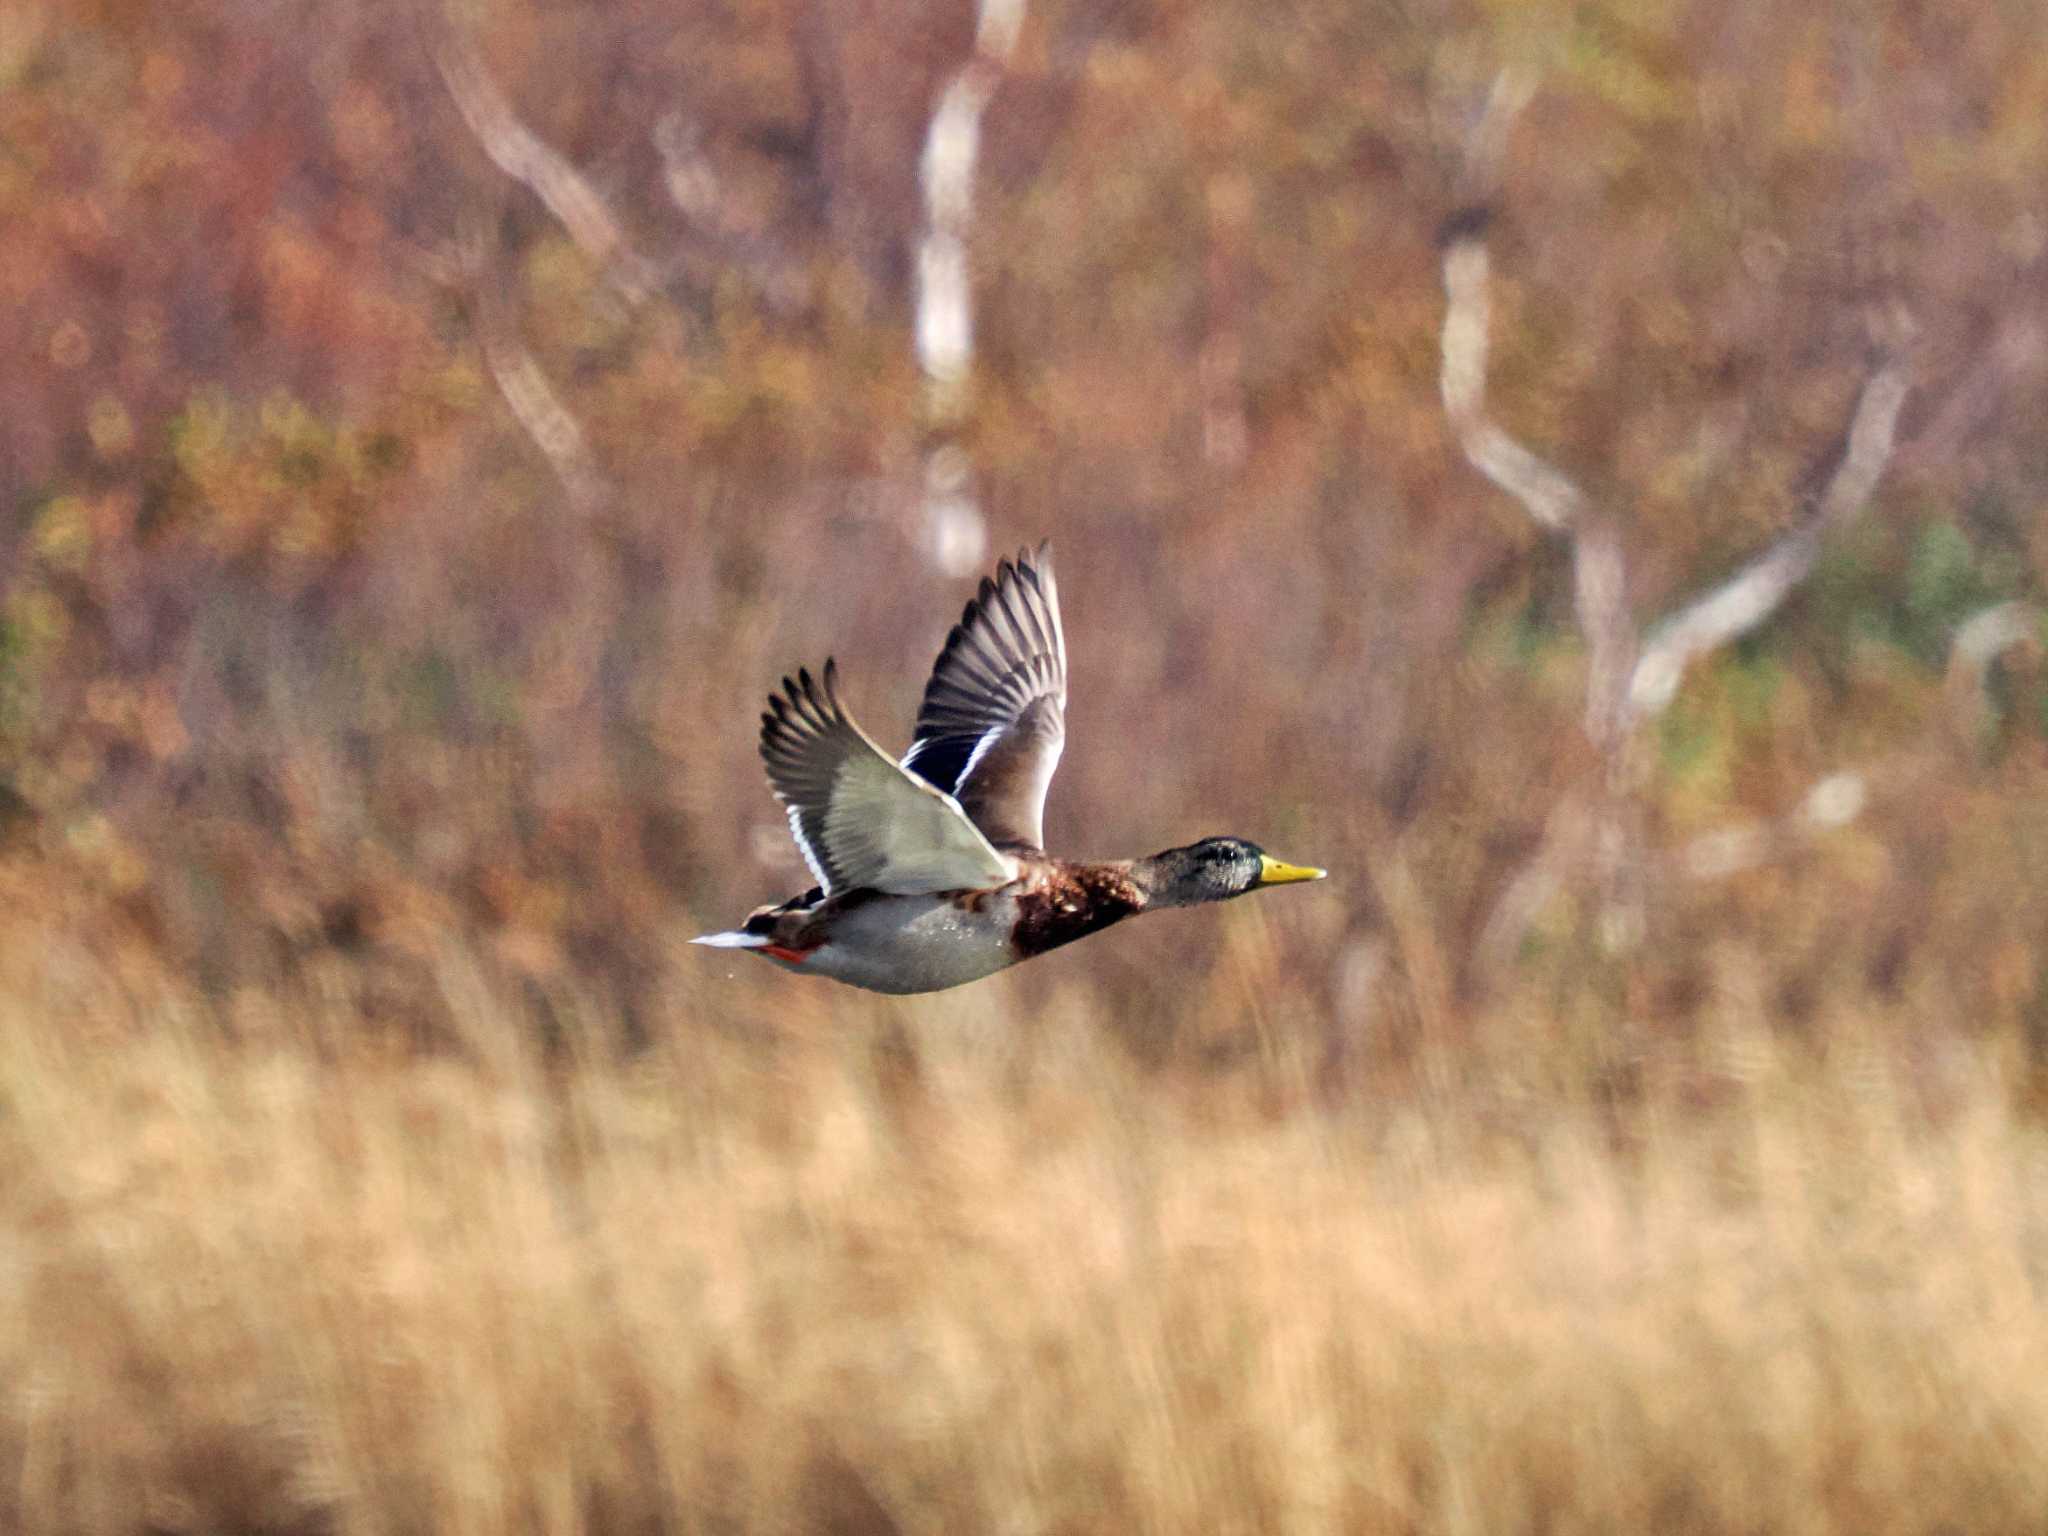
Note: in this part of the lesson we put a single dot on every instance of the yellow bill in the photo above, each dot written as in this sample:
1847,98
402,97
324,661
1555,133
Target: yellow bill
1274,871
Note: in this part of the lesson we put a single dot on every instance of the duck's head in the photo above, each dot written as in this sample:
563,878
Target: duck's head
1215,869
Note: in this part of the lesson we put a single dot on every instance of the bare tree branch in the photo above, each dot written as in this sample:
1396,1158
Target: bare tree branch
1986,636
547,421
692,183
1567,836
1755,592
1600,596
693,186
1544,490
1833,802
2014,350
516,151
1982,640
1841,797
1599,565
464,268
1547,493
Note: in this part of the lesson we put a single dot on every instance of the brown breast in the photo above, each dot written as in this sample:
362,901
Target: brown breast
1062,902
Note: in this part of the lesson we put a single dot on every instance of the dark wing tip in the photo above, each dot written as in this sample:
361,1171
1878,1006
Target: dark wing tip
800,706
810,704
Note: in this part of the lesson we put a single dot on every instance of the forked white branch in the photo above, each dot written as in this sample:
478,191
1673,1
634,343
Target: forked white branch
1554,500
1631,678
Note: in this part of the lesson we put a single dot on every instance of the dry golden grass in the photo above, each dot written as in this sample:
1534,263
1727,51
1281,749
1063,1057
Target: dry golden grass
935,1268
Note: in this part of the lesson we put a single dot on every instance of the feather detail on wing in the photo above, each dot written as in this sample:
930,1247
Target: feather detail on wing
993,719
860,820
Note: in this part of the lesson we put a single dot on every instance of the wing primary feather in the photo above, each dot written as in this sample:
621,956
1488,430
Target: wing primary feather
1000,600
800,699
1044,641
972,646
991,723
971,660
1035,640
1011,596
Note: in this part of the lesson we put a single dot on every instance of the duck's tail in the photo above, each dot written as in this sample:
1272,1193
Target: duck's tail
734,938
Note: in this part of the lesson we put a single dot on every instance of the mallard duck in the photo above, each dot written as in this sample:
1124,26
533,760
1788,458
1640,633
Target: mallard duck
932,872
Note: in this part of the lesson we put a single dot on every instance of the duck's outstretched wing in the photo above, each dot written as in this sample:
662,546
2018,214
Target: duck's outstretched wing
994,716
859,819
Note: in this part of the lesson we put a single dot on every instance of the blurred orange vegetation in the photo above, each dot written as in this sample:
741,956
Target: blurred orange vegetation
389,583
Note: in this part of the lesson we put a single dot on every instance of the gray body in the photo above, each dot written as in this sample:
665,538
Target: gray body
905,944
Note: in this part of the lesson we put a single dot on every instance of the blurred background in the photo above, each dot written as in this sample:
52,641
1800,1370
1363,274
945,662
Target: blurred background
426,435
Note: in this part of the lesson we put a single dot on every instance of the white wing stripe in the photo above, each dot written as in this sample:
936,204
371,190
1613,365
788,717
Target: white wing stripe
988,739
803,846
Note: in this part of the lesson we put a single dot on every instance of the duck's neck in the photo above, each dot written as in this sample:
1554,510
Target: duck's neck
1163,880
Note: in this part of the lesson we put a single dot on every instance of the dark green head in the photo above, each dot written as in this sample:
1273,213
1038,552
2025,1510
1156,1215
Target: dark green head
1215,869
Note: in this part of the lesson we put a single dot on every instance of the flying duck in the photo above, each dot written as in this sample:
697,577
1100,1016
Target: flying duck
932,872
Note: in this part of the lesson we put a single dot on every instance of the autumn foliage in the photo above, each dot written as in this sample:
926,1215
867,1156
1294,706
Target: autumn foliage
426,434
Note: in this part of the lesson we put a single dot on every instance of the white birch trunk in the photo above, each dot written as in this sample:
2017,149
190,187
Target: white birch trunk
955,534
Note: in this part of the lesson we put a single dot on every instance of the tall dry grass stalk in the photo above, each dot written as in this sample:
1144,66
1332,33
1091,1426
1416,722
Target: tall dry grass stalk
876,1276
